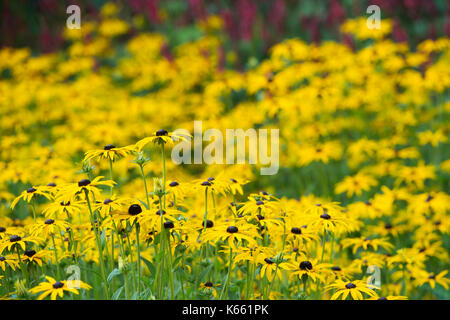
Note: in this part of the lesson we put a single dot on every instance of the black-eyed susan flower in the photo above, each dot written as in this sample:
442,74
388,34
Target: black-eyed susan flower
55,289
33,257
356,184
210,288
365,242
232,234
30,194
432,279
15,242
109,152
74,190
355,289
304,267
8,261
48,227
67,209
161,136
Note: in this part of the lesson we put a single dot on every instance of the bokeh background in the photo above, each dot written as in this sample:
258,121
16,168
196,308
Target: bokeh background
251,26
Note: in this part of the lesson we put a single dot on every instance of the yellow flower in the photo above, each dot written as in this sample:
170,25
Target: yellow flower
31,194
56,288
71,191
432,279
160,137
49,227
109,152
356,184
15,242
354,288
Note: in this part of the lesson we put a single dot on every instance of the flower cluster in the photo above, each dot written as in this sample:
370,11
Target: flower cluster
358,210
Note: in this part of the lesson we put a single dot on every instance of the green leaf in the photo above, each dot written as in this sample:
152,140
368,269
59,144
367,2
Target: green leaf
116,294
150,266
113,274
144,204
103,238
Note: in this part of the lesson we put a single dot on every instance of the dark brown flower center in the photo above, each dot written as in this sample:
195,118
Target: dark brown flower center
336,268
168,225
350,286
209,224
31,190
232,229
134,210
84,182
208,284
58,285
107,201
109,147
30,253
49,221
161,132
306,265
296,230
325,216
160,212
173,184
15,238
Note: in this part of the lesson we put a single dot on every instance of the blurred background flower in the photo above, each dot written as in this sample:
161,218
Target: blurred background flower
249,27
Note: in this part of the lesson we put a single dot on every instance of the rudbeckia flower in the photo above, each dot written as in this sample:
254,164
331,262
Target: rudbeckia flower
74,190
355,185
14,242
304,266
432,279
8,261
354,288
56,288
48,227
31,256
365,242
109,152
160,137
210,288
57,209
30,194
231,234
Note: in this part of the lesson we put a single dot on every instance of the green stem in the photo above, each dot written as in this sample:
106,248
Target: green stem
111,173
172,290
138,249
145,185
225,288
58,271
23,266
163,152
99,246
